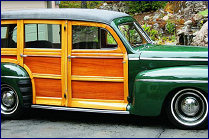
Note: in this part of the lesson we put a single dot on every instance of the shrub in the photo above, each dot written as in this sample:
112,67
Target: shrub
144,6
170,27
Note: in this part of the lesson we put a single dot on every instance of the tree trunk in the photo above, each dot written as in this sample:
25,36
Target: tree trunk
83,4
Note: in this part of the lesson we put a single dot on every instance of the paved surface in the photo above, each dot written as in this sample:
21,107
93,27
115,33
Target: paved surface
59,124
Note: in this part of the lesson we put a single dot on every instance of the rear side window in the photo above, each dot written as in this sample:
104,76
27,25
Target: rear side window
9,36
43,36
89,37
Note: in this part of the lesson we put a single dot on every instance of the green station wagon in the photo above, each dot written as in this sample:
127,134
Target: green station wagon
98,61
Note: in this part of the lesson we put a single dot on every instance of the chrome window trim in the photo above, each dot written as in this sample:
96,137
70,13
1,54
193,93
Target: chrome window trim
177,81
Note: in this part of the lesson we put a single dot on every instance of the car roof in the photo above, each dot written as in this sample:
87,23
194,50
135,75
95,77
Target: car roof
94,15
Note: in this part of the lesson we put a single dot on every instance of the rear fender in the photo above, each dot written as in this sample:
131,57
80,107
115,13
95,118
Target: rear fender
18,78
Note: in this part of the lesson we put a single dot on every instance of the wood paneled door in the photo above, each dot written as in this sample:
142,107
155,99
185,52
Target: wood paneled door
44,53
98,63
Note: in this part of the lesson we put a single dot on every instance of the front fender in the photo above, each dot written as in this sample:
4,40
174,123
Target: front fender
152,86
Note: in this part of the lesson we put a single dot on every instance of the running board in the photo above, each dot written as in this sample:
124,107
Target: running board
80,109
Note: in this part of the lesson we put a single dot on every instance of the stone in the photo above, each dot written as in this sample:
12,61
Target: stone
156,16
165,18
155,26
206,40
146,17
189,22
201,38
197,17
105,4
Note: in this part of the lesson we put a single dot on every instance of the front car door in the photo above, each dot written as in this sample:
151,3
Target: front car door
97,67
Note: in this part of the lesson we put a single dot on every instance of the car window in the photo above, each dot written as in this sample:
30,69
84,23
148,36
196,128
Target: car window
4,32
132,34
89,37
9,36
43,36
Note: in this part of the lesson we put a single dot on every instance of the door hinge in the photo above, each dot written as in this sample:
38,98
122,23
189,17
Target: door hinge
69,57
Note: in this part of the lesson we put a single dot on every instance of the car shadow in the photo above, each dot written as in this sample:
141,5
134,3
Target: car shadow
96,118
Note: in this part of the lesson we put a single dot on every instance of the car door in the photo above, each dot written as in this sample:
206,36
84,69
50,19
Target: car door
97,67
43,54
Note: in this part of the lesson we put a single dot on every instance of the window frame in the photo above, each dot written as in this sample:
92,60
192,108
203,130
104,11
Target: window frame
120,47
52,23
9,51
6,24
144,40
99,38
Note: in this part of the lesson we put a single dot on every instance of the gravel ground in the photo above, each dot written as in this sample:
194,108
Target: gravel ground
61,124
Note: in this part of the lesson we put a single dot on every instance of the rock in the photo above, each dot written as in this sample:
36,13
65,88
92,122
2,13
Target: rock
180,32
206,40
146,17
189,22
105,4
197,17
178,16
156,26
114,6
165,18
170,15
201,38
156,16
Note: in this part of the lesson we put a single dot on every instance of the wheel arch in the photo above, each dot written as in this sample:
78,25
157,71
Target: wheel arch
175,90
20,78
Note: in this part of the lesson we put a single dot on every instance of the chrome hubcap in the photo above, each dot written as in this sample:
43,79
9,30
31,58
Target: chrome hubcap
9,100
189,107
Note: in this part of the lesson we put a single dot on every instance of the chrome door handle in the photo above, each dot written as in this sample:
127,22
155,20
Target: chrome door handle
69,57
23,55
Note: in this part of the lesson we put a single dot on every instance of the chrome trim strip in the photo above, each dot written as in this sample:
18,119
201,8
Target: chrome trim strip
177,81
56,56
15,77
80,109
133,58
175,59
94,57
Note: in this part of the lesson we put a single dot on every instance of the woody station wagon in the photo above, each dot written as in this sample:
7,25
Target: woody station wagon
98,61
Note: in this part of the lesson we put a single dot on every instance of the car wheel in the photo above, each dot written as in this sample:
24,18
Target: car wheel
10,102
188,109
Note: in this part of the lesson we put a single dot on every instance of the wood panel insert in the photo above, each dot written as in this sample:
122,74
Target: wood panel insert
44,65
10,57
98,90
97,67
48,88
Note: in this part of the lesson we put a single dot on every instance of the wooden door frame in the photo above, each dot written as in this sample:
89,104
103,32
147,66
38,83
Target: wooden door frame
119,52
45,52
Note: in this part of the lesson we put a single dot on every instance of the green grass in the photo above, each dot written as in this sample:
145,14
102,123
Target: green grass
204,13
